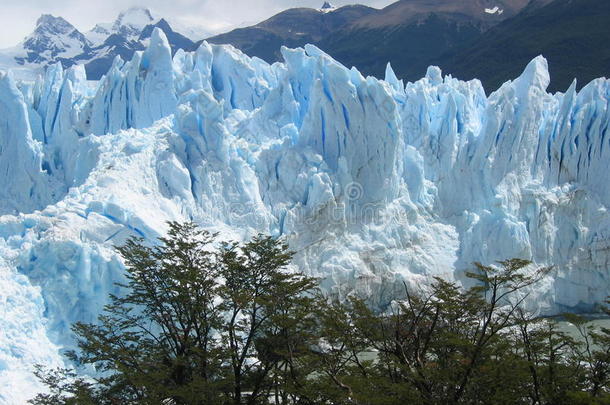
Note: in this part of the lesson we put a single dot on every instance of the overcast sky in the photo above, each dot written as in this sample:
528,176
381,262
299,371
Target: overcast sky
18,17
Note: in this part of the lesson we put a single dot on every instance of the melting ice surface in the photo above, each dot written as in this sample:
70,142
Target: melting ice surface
371,181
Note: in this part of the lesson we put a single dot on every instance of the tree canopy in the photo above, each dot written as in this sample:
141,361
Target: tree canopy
206,322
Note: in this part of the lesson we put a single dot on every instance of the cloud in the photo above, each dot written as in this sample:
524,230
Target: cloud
18,17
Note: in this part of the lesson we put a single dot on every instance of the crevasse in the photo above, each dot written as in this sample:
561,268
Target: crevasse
371,181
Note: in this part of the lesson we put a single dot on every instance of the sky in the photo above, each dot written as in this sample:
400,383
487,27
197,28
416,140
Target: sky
18,17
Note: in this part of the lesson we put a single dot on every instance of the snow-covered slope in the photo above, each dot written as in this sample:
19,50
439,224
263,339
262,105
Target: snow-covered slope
53,40
372,182
56,40
129,25
131,22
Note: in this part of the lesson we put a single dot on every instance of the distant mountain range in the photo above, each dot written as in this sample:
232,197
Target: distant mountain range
572,34
491,40
411,34
293,28
408,33
55,40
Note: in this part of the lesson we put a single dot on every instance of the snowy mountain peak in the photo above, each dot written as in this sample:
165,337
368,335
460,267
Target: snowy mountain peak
131,21
46,21
48,26
53,38
56,40
135,16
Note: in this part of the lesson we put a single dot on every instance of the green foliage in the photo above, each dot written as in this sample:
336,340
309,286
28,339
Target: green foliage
452,346
269,312
209,323
158,340
64,387
199,324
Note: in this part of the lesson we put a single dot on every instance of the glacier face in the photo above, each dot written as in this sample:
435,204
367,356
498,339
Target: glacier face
371,181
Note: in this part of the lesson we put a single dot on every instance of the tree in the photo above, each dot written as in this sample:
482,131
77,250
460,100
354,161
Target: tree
207,323
159,340
269,314
446,346
64,387
198,324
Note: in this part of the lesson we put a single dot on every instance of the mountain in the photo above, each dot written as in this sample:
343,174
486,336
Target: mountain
293,28
99,60
128,25
405,12
409,33
373,183
328,7
412,33
55,40
571,34
130,33
410,47
486,39
490,46
176,40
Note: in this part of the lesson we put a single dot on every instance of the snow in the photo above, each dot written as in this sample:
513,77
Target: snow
53,39
193,31
23,336
56,40
132,21
20,72
56,37
372,182
494,10
98,34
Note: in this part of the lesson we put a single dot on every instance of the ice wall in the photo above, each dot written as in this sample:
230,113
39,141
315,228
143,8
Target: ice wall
371,181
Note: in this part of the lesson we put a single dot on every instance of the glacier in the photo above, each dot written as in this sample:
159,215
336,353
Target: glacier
372,182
